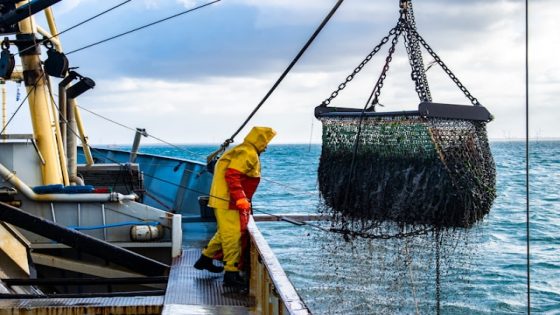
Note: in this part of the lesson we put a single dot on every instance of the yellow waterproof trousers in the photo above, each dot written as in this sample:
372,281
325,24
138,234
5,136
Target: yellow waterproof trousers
227,238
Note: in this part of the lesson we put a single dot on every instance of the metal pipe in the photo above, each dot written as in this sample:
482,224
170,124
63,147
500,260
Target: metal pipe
136,144
49,16
62,104
83,85
30,194
83,136
71,141
59,140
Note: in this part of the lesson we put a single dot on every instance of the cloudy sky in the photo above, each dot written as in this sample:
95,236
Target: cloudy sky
195,78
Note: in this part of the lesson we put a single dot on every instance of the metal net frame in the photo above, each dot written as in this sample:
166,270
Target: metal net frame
407,169
405,173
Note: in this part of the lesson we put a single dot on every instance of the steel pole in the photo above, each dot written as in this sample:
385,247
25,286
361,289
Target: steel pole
39,105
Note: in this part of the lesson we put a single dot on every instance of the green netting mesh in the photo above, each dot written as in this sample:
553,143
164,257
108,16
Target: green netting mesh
408,170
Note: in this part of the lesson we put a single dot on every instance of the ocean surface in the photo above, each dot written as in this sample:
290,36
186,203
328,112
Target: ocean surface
482,269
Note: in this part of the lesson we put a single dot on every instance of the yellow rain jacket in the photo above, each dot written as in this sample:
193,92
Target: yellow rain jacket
243,158
236,175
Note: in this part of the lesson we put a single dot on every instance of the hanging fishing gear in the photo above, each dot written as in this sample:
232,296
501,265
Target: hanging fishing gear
430,167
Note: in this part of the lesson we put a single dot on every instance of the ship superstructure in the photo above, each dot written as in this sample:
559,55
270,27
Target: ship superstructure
104,236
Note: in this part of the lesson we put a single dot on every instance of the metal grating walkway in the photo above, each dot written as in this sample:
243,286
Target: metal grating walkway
191,287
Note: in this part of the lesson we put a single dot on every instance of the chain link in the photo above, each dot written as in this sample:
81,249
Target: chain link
416,61
359,68
406,25
383,75
440,62
349,234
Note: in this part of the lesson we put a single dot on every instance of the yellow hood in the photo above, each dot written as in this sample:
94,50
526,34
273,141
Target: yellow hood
260,137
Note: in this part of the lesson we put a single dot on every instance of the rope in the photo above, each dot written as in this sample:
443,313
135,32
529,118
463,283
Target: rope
285,73
134,129
73,27
142,27
291,221
528,212
293,189
279,217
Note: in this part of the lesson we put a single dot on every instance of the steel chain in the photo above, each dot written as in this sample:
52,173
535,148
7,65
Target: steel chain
383,75
415,57
440,62
420,85
406,24
383,236
359,68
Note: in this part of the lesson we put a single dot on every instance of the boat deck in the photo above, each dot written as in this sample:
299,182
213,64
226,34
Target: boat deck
191,291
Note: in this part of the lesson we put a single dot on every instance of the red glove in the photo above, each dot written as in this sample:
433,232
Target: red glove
243,204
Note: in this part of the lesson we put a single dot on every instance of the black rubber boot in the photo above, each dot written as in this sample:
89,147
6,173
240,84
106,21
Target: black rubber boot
232,279
206,263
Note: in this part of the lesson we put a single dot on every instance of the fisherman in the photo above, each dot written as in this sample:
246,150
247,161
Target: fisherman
236,177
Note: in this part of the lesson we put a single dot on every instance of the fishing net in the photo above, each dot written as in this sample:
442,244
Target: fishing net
409,170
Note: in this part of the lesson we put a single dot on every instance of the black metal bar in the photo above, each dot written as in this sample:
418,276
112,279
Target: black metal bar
81,295
425,109
324,111
25,11
467,112
82,242
85,281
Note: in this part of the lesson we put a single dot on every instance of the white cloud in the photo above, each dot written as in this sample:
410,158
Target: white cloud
152,4
482,45
67,6
188,3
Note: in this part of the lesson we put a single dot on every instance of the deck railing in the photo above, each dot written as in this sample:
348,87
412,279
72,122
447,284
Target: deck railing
270,289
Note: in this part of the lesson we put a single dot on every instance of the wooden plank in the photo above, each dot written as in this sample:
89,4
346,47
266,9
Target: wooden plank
81,267
86,268
14,248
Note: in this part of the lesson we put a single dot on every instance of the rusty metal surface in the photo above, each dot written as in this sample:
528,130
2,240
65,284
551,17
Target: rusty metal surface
126,305
189,286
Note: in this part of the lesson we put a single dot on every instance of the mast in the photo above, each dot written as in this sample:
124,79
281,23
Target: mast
39,103
78,117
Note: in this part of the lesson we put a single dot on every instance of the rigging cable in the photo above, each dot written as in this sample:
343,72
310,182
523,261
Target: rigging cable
142,27
527,182
22,102
285,73
73,27
279,217
293,189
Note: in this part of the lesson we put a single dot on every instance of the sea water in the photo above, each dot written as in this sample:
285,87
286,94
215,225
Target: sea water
483,269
